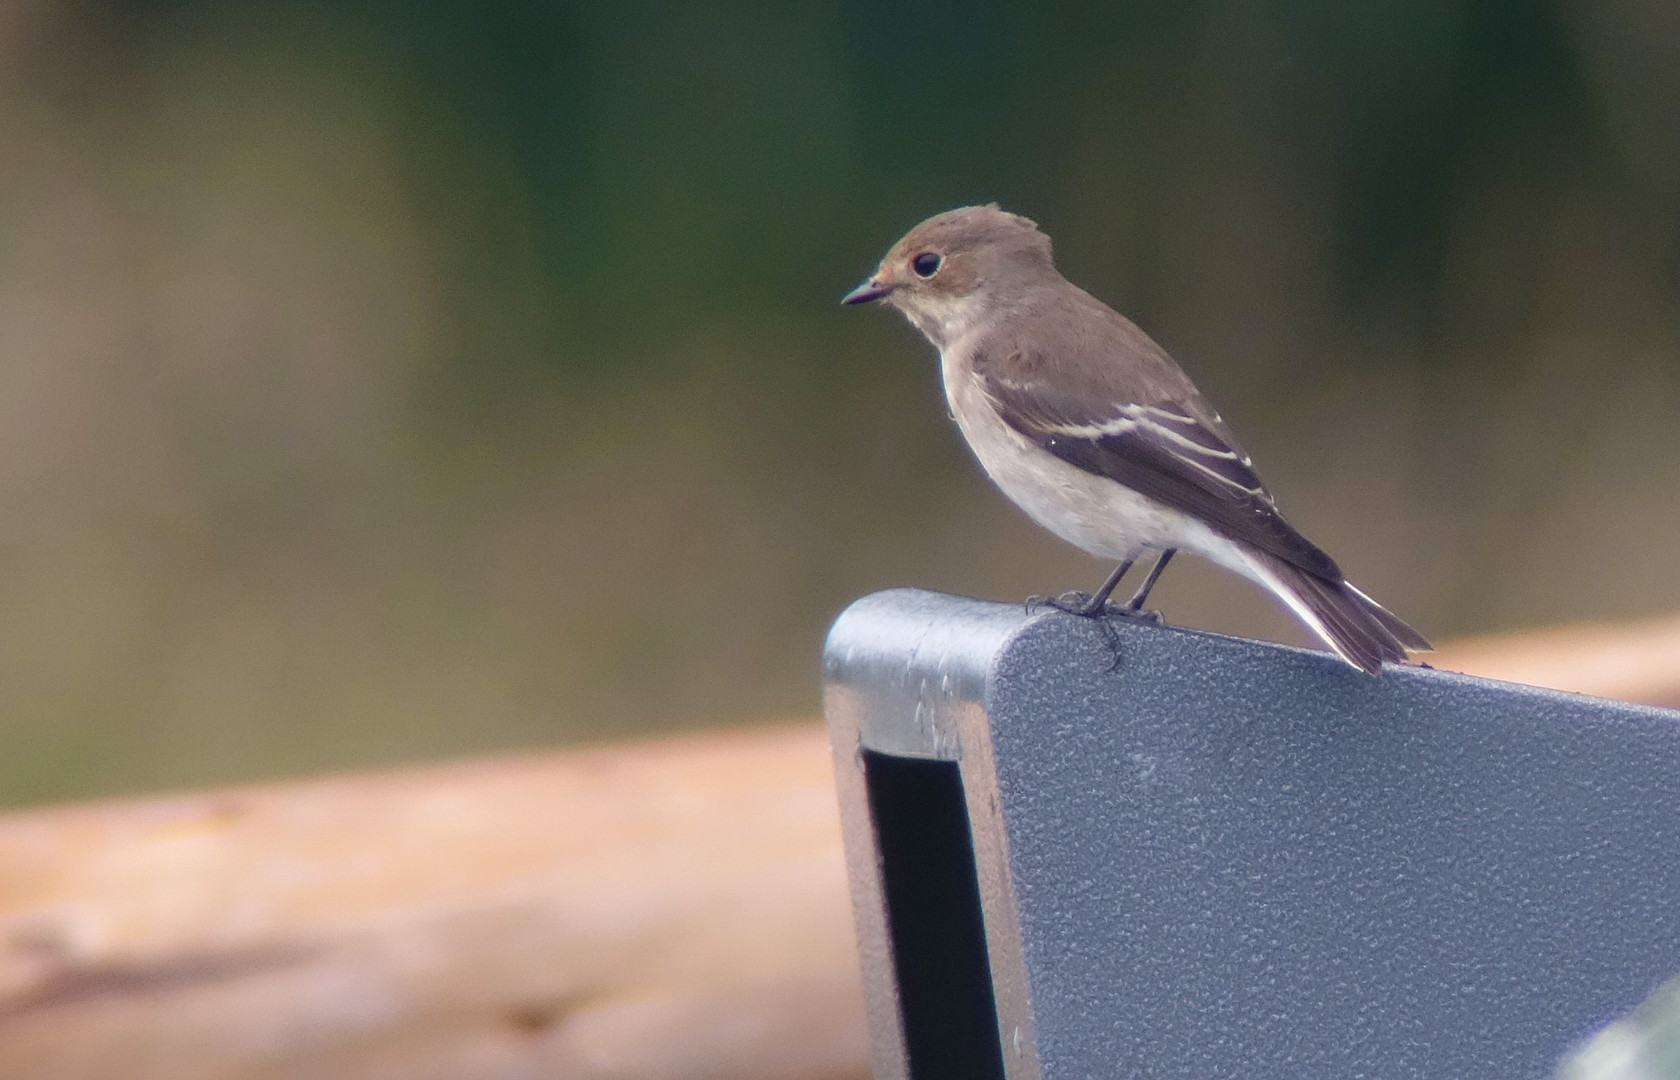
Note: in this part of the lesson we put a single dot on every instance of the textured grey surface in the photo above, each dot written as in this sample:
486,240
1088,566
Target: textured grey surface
1232,859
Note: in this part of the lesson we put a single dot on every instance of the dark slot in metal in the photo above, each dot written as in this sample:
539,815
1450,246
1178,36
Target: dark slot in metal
933,908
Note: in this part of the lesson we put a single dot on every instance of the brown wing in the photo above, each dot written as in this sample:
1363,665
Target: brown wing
1157,437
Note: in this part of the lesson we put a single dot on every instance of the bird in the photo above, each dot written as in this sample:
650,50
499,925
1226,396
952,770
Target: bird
1088,425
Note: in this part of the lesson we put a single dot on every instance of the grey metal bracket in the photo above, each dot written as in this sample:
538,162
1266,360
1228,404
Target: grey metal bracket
1200,857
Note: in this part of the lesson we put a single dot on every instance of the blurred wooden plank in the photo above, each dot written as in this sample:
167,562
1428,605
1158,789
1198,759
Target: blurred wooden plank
673,910
1637,661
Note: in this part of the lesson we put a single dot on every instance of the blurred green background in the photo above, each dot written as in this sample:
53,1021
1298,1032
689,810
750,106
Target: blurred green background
384,381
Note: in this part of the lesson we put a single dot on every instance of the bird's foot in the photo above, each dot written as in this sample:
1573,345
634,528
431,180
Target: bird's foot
1084,605
1072,603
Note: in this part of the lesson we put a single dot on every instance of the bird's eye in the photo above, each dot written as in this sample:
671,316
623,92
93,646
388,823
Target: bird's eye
926,264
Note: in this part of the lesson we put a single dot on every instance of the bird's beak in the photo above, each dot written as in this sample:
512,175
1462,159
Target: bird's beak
873,289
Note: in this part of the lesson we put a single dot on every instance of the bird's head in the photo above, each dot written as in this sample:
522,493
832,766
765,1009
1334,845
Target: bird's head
953,266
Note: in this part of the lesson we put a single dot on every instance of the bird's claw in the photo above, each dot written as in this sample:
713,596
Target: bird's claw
1080,604
1072,603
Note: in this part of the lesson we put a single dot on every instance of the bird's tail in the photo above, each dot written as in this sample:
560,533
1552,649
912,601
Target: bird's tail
1364,632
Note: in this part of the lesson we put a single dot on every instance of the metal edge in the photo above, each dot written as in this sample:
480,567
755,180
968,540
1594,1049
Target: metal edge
912,657
889,1056
1005,950
905,672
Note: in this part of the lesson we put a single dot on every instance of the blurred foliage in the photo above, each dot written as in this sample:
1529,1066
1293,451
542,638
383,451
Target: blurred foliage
629,170
390,380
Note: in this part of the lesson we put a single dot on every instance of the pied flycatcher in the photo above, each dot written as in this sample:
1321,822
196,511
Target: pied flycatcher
1094,431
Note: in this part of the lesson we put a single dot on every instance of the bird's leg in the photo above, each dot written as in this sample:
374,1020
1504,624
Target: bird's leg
1134,606
1078,603
1100,600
